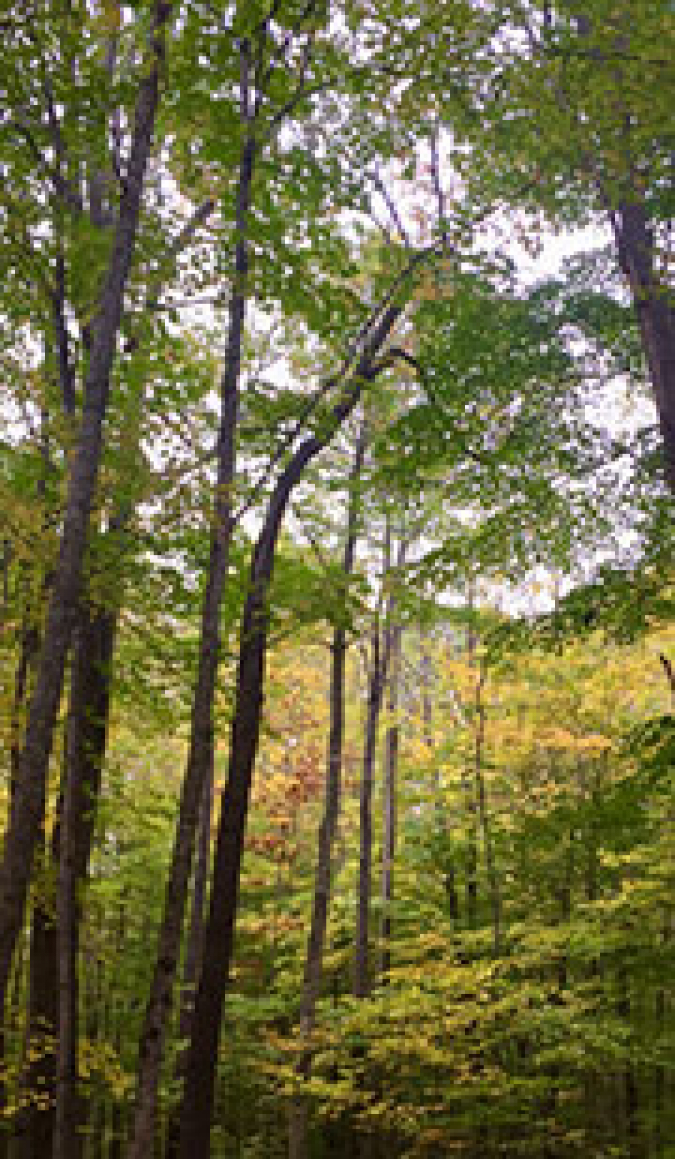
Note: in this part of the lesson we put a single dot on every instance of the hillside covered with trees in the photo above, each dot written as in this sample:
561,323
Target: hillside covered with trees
337,606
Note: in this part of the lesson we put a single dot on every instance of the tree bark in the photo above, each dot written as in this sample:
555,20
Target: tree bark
193,952
28,649
86,736
655,313
36,1123
202,1058
27,809
85,746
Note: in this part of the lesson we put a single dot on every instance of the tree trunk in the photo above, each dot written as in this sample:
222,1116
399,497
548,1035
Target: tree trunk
28,806
202,1058
193,952
36,1123
481,794
28,650
200,758
85,747
449,875
382,642
376,680
86,735
389,802
297,1128
469,793
655,313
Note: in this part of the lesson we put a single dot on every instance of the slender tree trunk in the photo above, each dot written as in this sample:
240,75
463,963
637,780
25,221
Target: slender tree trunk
16,1004
219,941
382,642
389,801
200,758
449,875
483,812
86,735
6,561
35,1123
193,952
28,806
470,795
297,1127
376,679
670,677
28,650
49,962
196,1105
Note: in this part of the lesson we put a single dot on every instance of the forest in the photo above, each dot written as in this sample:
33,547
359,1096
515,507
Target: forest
337,604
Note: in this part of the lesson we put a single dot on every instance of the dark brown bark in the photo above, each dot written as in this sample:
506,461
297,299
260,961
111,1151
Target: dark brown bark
28,806
28,649
14,1019
297,1128
655,313
634,238
200,758
6,561
89,702
670,676
86,736
202,1058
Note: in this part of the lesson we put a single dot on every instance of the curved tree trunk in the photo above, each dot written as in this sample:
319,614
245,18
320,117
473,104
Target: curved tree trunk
202,1057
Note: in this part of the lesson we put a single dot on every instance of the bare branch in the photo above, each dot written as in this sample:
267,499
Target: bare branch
391,206
436,178
356,349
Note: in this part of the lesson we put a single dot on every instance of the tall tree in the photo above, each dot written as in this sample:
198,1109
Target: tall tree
27,810
198,1096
